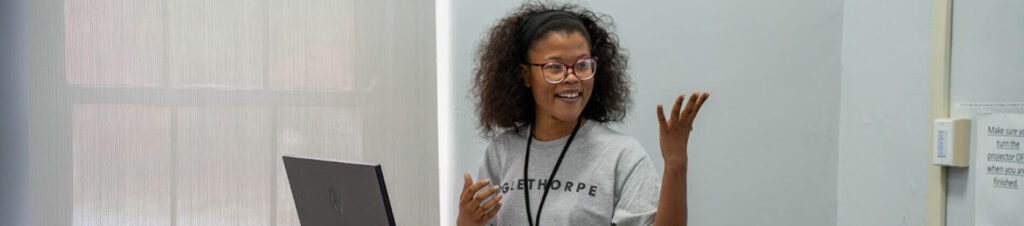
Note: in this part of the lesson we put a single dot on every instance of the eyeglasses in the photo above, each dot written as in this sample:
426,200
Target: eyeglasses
555,72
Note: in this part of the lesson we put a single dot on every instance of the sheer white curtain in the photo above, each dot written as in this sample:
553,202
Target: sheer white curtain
176,112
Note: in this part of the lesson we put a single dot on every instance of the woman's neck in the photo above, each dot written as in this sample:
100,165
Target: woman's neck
549,128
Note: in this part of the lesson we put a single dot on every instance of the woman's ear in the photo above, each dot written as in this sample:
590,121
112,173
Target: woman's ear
525,74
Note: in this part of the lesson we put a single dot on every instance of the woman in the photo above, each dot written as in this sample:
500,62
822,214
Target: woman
548,79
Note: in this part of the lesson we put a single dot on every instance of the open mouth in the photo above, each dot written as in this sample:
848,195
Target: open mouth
570,95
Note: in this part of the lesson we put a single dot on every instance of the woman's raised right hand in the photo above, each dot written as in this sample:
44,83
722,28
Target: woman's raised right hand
471,211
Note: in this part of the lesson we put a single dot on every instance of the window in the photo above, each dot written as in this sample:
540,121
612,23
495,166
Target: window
180,110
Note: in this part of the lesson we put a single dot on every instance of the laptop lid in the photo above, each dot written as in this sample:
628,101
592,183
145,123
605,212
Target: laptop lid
331,192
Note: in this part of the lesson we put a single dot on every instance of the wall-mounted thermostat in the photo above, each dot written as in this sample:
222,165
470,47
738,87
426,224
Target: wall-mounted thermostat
950,142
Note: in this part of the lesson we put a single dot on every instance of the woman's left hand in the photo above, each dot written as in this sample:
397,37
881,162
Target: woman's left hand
675,132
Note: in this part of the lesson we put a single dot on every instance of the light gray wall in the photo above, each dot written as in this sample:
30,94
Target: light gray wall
765,148
13,114
985,67
883,123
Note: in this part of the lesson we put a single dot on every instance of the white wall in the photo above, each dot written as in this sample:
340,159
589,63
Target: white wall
764,150
985,67
884,116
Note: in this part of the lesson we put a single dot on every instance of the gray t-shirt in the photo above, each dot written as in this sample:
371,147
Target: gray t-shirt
606,178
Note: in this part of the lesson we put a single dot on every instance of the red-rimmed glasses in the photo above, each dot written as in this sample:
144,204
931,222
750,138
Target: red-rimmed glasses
556,72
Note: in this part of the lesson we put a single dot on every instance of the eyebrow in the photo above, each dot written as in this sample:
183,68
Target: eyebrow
558,58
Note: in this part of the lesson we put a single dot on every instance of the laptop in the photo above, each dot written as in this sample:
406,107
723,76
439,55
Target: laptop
331,192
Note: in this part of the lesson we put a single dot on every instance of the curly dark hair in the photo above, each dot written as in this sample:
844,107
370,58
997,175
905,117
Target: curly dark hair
504,102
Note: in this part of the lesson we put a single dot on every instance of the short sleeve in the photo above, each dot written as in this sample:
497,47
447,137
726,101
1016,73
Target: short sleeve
637,199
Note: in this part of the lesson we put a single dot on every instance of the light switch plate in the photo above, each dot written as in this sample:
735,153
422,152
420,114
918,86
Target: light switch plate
950,140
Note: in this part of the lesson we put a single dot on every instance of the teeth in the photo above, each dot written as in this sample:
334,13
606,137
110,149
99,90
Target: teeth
568,95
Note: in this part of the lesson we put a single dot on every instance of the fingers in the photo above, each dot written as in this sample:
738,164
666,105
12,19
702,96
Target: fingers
490,213
661,118
479,197
688,113
467,179
465,187
486,207
675,108
696,108
683,116
479,184
467,194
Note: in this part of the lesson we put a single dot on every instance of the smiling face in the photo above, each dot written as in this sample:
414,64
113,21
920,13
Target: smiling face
563,101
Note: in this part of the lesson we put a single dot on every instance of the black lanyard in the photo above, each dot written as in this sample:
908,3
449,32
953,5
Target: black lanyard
547,186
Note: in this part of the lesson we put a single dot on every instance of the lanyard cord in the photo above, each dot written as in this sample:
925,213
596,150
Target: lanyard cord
547,186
